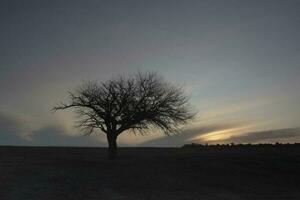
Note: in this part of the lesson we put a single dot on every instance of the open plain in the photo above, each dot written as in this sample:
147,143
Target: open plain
210,173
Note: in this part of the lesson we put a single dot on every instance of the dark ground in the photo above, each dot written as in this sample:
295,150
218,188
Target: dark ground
46,173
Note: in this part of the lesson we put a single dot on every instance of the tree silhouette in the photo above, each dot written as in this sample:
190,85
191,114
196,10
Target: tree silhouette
139,103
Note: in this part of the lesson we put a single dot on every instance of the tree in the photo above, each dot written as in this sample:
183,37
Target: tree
138,103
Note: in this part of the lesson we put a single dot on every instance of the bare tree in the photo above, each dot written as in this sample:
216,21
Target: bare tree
138,103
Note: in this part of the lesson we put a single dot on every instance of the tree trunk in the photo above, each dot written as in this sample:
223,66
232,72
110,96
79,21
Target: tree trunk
112,145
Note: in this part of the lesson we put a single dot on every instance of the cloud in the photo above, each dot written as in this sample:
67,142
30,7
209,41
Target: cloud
268,135
195,134
14,132
56,136
11,130
186,135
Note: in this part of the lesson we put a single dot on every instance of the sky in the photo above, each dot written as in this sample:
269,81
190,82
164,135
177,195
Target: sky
238,60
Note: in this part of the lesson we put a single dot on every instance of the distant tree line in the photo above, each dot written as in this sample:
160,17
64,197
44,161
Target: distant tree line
230,145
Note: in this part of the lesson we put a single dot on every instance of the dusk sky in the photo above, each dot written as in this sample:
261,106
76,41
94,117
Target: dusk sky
238,60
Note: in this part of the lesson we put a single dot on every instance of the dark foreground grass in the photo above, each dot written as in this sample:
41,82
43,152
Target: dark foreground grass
46,173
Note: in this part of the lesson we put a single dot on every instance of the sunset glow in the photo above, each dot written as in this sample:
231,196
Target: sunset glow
237,60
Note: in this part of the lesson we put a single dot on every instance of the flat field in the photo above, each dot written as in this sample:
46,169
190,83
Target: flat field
209,173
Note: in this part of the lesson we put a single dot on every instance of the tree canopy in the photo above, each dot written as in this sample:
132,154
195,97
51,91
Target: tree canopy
139,103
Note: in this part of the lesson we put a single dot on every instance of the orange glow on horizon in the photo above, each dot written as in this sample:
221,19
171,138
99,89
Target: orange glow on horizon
220,134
